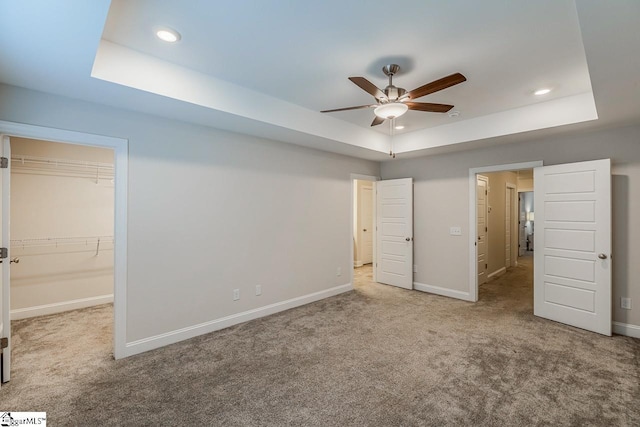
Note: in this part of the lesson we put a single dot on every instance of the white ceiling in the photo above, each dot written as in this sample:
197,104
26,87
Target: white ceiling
268,67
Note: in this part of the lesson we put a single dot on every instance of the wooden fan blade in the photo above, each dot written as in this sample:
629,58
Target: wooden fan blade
368,87
377,121
437,85
427,106
350,108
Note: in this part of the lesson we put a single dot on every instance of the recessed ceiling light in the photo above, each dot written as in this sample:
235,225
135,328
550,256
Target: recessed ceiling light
168,35
542,91
399,127
454,113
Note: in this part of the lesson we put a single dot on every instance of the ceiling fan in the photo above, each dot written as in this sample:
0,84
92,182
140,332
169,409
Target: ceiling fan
395,101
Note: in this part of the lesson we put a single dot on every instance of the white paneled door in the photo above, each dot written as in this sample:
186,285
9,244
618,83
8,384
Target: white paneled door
5,319
482,193
394,232
572,256
366,218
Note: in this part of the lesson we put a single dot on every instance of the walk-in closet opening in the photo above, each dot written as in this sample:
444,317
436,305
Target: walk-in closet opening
61,245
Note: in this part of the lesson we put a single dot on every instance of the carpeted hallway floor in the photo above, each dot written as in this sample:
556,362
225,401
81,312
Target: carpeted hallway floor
378,356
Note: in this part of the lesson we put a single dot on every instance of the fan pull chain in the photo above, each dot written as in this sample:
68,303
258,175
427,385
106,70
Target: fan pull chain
392,125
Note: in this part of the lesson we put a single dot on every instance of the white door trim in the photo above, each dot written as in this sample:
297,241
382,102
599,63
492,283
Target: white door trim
5,140
473,267
121,165
353,178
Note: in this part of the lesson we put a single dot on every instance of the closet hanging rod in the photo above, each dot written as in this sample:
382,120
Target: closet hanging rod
53,162
60,241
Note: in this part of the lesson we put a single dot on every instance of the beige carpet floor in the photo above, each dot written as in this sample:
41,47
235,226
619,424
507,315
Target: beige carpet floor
378,356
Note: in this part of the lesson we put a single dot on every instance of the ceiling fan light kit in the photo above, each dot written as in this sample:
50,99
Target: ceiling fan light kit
391,110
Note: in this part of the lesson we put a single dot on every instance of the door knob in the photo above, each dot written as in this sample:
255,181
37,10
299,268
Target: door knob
364,229
408,239
602,256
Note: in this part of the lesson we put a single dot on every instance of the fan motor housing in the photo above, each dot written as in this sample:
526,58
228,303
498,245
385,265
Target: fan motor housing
393,92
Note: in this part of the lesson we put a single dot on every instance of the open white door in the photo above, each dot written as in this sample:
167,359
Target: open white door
366,223
482,194
5,319
394,232
572,256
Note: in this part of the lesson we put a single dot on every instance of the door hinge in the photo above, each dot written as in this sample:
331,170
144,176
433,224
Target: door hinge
4,162
4,253
486,229
4,343
486,266
486,192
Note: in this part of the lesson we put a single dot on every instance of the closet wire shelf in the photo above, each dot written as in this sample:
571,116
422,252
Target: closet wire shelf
96,170
55,242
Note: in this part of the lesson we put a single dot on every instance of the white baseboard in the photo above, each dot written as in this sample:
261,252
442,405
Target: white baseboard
172,337
451,293
626,329
497,273
357,264
59,307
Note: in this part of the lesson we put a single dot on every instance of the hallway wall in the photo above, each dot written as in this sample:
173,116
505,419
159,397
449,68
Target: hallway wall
496,219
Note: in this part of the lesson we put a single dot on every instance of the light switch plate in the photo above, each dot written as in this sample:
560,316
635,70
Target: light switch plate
455,231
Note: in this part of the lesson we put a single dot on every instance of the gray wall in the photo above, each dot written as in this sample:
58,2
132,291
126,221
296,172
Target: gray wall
210,211
237,211
441,200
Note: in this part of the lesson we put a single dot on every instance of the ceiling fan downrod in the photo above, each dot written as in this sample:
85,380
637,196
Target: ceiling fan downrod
393,93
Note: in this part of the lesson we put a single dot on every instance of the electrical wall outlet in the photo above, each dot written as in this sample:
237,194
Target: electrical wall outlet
625,303
258,289
455,231
415,268
236,294
338,271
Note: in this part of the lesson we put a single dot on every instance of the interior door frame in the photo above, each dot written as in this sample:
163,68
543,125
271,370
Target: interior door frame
5,355
353,178
120,147
473,256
